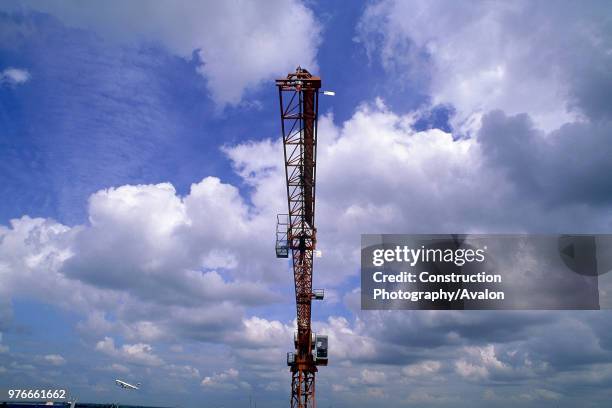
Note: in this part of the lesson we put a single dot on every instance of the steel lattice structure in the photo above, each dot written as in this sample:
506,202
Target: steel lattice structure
299,103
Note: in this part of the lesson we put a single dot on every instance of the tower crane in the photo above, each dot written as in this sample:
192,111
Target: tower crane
295,231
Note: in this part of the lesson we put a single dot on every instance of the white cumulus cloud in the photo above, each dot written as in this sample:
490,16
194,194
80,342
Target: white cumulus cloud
519,57
14,76
55,359
228,380
239,43
139,353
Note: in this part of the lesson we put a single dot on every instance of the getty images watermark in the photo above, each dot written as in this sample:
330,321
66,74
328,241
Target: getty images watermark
529,272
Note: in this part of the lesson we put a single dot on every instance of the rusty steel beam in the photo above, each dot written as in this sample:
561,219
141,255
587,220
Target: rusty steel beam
299,99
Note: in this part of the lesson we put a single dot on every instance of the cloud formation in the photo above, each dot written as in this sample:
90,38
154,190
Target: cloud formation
55,359
186,287
14,76
139,353
238,44
519,57
227,379
158,268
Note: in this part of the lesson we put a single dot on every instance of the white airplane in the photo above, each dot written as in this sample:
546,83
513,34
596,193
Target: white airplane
127,386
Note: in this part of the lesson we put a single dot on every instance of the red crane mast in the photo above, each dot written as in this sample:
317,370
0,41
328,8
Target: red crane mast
296,232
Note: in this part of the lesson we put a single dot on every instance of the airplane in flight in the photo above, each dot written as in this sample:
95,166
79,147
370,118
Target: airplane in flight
127,386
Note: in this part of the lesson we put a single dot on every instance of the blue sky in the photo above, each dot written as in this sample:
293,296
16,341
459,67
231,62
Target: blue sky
141,171
147,115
